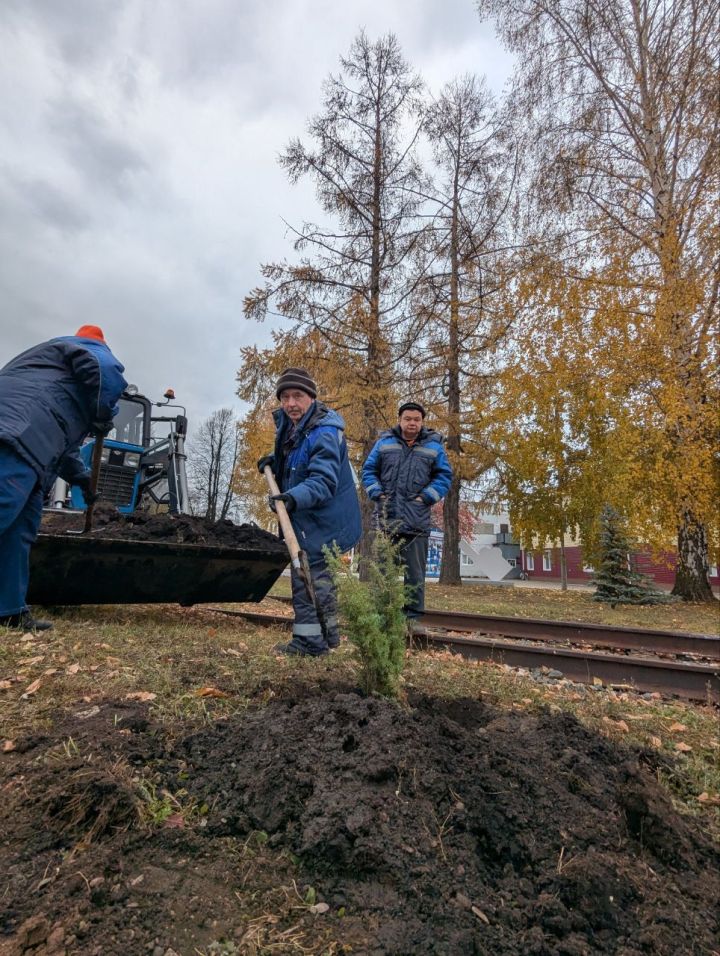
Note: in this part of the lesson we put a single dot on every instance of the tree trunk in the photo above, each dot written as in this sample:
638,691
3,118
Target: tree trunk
450,567
563,566
691,575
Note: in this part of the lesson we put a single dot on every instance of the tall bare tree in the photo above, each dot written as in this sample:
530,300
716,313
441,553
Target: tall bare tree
354,279
624,100
212,457
467,206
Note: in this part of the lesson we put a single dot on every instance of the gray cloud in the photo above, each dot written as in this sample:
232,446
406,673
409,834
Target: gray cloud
139,187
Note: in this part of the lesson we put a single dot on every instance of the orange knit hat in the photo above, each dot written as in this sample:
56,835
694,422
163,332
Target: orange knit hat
91,332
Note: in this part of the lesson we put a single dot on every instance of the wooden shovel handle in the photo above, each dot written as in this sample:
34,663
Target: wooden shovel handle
283,518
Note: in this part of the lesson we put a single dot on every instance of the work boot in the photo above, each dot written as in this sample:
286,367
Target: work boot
24,621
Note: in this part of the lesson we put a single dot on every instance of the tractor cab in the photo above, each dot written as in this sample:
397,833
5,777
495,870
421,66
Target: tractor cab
143,459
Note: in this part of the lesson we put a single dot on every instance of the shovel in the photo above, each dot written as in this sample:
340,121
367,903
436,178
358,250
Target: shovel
298,557
94,477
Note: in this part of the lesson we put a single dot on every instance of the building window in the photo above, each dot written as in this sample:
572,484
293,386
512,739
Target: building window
529,562
465,559
504,529
588,568
713,571
511,561
547,561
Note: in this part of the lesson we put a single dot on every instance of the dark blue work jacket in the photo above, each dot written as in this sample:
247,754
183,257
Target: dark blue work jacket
403,473
50,395
316,471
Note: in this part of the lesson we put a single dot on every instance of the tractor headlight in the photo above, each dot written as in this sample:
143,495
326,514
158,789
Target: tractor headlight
132,459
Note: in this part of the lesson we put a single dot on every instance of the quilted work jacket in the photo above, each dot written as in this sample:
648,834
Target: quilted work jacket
50,395
316,471
404,473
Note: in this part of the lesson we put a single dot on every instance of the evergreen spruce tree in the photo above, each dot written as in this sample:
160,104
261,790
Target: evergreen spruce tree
617,581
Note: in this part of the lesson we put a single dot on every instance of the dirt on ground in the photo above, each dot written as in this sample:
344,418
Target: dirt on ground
181,529
328,822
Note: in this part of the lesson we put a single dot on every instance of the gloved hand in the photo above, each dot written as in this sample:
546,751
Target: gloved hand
83,484
101,429
287,500
266,460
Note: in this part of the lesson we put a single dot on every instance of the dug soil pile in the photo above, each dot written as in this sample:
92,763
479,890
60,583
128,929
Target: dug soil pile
347,825
180,529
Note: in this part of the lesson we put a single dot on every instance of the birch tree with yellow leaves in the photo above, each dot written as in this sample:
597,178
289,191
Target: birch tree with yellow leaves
621,99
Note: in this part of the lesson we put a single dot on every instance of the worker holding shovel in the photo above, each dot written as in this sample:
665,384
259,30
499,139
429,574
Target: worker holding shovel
52,396
315,486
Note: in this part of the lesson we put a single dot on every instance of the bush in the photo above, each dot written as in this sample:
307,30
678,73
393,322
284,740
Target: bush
372,613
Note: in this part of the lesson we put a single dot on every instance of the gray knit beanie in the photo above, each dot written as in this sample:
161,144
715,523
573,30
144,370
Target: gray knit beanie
296,378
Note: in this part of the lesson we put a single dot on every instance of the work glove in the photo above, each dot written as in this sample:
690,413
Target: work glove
101,429
89,497
266,460
287,500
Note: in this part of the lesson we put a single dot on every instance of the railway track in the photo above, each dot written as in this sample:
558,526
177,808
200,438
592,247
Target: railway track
682,664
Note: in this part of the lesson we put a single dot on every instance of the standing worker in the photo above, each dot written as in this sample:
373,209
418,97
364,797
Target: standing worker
51,397
405,474
313,472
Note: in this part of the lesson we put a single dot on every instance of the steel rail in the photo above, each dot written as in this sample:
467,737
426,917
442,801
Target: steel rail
574,632
693,681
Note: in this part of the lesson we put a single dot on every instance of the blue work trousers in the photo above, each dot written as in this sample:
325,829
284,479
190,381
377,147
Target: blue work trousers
413,557
307,635
20,512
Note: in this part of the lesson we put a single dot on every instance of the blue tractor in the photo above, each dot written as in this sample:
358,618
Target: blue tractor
138,470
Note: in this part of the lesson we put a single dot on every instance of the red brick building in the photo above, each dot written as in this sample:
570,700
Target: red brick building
545,565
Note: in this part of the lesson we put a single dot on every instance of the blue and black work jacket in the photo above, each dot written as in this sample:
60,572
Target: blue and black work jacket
313,466
51,395
403,473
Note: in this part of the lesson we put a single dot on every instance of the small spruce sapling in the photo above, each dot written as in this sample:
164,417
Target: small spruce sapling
372,612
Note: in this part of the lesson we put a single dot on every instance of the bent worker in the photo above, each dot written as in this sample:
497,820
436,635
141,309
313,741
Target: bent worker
313,472
405,474
52,396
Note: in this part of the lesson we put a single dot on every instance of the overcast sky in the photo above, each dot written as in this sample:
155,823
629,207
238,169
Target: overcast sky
139,184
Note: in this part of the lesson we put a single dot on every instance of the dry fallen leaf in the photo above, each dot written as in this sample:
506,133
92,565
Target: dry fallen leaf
140,695
683,748
210,692
677,728
616,724
655,742
174,822
9,745
320,908
480,915
705,797
73,669
5,684
31,688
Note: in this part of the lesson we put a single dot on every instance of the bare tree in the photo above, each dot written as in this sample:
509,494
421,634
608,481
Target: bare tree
212,458
623,97
467,206
354,281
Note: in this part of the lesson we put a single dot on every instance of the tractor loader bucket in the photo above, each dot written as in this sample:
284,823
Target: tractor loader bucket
79,569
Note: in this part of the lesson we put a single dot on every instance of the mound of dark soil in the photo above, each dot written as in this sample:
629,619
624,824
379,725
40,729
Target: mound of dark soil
183,529
444,828
462,830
